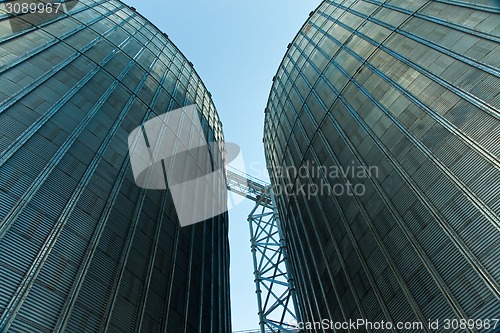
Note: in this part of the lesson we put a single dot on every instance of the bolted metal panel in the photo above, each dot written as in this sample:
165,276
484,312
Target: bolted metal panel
409,91
82,247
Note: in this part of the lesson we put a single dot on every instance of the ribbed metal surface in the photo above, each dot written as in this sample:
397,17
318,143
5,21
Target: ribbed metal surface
82,248
411,88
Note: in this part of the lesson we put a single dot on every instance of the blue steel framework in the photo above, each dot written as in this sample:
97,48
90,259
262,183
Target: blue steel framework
273,281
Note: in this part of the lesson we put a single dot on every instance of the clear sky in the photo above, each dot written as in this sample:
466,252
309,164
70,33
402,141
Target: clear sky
236,47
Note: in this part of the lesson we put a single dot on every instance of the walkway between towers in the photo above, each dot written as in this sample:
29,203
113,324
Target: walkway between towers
274,286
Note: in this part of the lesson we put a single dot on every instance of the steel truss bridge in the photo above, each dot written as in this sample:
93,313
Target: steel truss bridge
276,297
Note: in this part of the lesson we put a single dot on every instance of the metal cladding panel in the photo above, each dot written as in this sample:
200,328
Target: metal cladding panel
399,101
82,248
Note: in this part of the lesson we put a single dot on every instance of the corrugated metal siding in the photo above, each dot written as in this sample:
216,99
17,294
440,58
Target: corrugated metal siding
82,248
410,87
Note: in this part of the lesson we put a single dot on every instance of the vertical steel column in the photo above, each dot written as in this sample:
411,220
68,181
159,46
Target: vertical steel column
274,286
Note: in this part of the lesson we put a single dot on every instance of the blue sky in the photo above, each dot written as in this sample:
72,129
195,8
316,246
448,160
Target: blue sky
236,47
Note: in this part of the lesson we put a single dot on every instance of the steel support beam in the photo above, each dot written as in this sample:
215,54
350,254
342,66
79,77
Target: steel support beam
273,282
